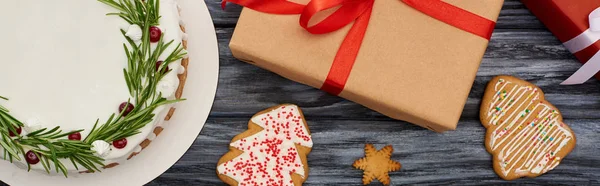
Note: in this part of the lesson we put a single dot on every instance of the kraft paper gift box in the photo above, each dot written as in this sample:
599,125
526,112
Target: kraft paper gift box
410,66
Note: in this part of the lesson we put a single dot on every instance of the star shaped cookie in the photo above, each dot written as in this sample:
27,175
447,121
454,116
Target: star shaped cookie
376,164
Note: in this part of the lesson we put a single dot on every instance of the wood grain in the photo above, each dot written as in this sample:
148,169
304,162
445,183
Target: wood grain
457,157
520,46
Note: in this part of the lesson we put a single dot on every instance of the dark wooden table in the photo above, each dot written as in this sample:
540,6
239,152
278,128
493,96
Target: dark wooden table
521,46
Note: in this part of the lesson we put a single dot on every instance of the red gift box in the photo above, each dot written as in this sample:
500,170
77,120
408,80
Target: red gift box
569,21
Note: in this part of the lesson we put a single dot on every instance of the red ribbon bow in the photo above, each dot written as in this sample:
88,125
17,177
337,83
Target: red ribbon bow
359,12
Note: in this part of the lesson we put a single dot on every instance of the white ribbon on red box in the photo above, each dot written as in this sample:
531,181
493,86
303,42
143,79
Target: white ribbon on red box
582,41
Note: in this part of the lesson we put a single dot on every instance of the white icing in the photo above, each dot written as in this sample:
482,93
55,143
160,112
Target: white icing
151,136
102,148
32,125
539,137
184,36
167,87
187,55
135,33
68,62
180,68
274,147
137,149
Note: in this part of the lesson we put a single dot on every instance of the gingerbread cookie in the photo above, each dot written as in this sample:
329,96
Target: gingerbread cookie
376,164
271,152
525,133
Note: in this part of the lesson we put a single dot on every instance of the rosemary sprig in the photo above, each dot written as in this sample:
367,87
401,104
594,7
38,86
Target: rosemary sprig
48,145
8,124
141,77
137,12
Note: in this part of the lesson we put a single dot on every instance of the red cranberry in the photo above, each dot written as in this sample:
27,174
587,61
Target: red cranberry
128,107
119,144
75,136
155,34
12,134
158,64
32,158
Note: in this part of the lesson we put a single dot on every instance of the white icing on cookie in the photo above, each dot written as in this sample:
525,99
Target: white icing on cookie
524,128
270,156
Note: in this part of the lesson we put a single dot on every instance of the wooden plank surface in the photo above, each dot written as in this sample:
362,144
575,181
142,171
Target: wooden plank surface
520,46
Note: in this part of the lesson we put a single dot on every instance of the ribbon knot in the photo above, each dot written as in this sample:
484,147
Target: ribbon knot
359,12
581,42
349,11
595,20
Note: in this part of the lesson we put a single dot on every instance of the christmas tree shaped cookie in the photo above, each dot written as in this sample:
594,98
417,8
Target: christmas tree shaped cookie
271,152
525,133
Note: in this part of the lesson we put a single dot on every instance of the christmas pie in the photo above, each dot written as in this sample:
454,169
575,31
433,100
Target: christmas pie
87,84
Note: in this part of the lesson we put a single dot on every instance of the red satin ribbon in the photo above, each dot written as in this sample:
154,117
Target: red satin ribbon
359,12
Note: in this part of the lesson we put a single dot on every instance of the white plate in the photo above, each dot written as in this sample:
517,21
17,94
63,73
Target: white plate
179,134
